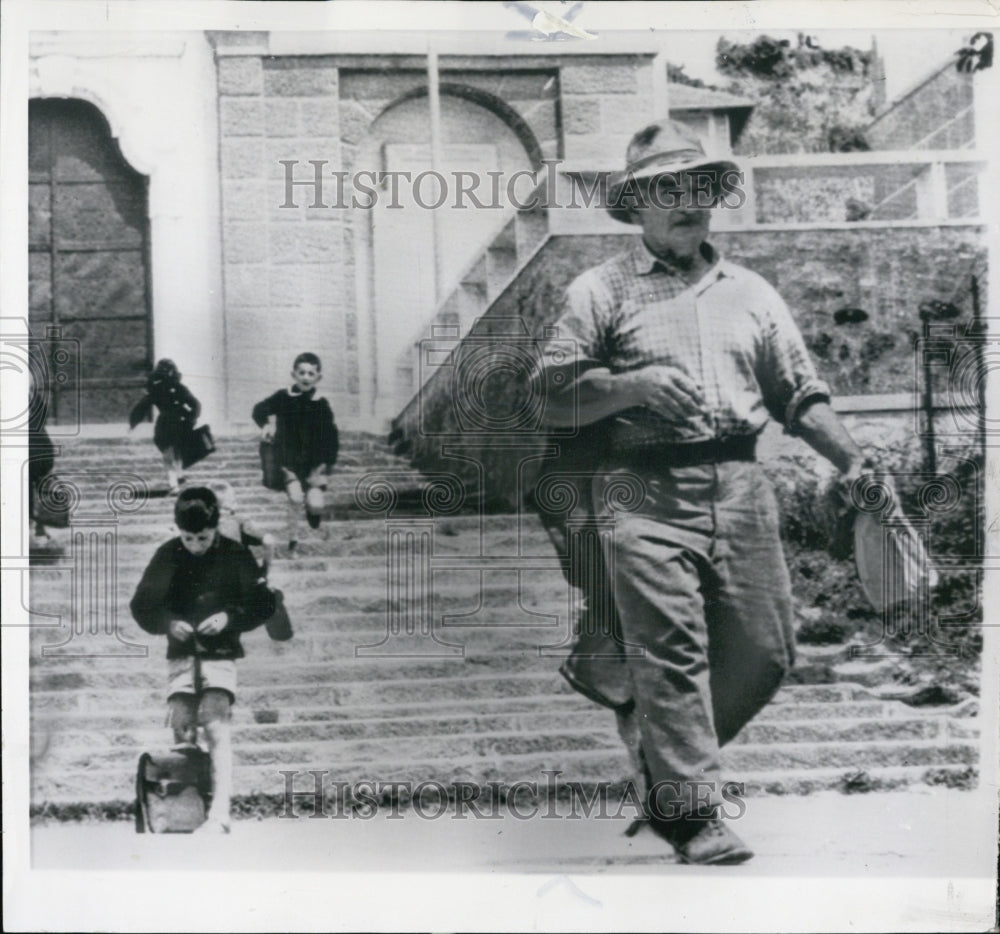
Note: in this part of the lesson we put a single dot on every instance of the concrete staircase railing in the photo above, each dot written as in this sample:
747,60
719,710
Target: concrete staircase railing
483,281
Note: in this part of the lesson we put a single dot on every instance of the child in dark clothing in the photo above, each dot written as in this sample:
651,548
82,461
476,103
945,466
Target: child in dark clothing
299,423
234,525
201,590
179,410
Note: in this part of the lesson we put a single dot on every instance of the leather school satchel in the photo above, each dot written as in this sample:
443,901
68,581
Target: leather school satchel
272,477
196,445
278,624
173,790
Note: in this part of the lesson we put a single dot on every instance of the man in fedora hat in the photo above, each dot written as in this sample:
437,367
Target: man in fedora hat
684,357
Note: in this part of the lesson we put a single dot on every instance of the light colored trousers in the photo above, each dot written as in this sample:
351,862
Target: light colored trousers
702,586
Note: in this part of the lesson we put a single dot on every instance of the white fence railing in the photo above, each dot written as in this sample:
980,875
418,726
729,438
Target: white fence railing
929,186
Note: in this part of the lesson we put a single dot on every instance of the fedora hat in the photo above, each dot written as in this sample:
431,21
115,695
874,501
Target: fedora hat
662,148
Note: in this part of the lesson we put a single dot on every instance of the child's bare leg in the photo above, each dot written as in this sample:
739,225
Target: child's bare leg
183,717
315,497
216,716
295,501
267,549
170,462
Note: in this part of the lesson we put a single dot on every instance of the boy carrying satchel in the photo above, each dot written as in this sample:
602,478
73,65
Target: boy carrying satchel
202,590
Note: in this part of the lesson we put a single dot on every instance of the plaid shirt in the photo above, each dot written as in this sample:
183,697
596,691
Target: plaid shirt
730,332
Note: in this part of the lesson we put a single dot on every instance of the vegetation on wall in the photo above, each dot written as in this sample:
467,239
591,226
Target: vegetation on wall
809,98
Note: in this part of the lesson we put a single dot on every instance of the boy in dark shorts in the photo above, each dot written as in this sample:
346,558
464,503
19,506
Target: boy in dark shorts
201,590
299,423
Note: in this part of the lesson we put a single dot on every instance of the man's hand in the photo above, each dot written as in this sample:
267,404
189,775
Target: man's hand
180,630
267,432
213,625
858,467
667,391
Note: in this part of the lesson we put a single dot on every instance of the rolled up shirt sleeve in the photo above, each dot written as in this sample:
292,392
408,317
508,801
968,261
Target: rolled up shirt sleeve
787,374
575,338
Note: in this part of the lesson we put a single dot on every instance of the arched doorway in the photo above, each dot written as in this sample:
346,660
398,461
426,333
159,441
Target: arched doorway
415,253
88,242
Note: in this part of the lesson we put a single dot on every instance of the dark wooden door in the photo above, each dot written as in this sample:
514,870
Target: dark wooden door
88,261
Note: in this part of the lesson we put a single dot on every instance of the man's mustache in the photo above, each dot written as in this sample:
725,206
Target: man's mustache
686,218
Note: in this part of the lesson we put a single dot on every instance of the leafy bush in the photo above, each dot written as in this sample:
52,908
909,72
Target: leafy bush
808,99
833,608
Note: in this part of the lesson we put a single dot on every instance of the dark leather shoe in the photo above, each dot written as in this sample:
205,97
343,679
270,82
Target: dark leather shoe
714,844
703,841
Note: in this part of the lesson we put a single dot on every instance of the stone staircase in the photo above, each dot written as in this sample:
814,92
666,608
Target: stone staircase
479,700
493,270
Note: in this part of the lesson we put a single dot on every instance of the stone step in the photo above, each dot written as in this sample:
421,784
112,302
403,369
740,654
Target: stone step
244,478
449,564
572,706
131,560
880,778
503,532
345,670
387,692
371,597
242,454
274,504
589,770
66,738
142,440
118,783
452,746
485,749
278,695
535,589
316,639
481,647
870,671
498,711
220,465
228,458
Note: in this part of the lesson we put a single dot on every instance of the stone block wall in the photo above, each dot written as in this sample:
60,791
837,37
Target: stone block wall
295,277
282,267
885,272
605,100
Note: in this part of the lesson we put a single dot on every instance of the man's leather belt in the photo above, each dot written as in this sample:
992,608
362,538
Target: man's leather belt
736,448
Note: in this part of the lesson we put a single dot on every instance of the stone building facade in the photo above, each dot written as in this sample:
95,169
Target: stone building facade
246,236
223,126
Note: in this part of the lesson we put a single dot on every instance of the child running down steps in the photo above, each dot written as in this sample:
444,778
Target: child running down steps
298,423
178,411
